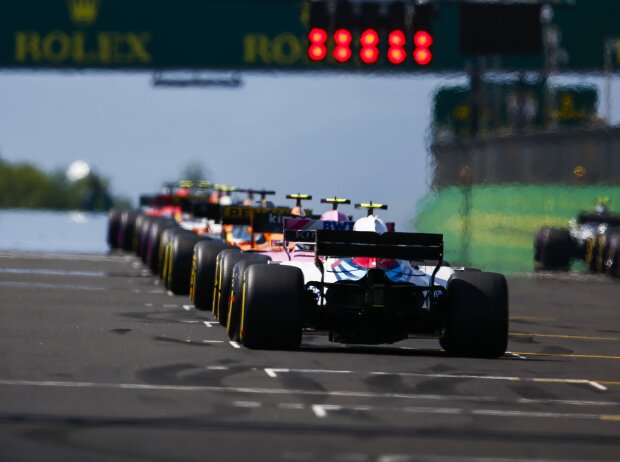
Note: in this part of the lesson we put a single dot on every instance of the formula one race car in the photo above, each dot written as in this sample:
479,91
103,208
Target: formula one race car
372,286
231,265
593,237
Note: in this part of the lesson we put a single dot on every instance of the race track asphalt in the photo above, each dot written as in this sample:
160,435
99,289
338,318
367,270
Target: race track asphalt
99,363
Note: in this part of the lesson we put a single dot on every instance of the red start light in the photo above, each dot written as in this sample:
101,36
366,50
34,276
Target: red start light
317,52
369,38
396,55
396,38
342,54
369,55
422,56
317,36
422,39
342,37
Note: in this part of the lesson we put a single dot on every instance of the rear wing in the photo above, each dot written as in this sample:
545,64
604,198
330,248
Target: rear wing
243,214
611,219
163,200
269,222
204,209
303,230
401,246
146,200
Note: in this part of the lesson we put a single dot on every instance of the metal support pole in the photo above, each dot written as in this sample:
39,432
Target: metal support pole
610,47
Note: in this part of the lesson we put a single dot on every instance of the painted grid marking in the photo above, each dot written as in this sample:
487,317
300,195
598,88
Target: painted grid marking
301,392
273,373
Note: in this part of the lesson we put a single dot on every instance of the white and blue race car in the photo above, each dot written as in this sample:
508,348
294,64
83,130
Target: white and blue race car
373,286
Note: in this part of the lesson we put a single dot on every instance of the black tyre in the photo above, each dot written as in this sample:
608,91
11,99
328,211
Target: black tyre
272,307
233,323
143,236
596,251
127,228
154,241
224,264
203,273
476,322
138,224
165,251
612,260
180,261
553,249
114,226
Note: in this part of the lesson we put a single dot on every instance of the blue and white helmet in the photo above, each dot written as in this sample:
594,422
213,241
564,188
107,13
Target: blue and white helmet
370,223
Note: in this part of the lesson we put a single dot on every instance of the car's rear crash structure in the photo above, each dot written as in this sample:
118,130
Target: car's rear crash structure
370,288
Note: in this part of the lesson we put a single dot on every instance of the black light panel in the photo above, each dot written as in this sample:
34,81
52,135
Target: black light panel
500,29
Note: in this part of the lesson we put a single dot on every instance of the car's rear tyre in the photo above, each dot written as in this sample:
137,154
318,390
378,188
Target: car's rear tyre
154,241
180,262
126,230
144,236
597,248
233,323
164,250
203,273
114,225
553,249
612,261
225,262
139,222
476,322
272,307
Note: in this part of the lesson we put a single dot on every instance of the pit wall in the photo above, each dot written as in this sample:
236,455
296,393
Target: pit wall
574,157
492,227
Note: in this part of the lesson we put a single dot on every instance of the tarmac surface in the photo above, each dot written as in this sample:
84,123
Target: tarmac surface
99,363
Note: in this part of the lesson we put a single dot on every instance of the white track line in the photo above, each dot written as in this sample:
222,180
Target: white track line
249,404
321,411
273,373
301,392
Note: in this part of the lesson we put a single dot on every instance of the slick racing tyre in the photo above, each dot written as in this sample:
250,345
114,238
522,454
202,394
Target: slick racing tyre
164,249
272,307
114,226
140,220
127,228
236,292
226,261
143,236
203,273
476,322
154,241
597,248
180,262
612,259
553,249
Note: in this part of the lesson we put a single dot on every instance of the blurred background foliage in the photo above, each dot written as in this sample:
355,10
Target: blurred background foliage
25,186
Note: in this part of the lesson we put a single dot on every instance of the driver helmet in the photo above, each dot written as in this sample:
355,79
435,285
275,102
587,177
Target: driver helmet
370,223
334,215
